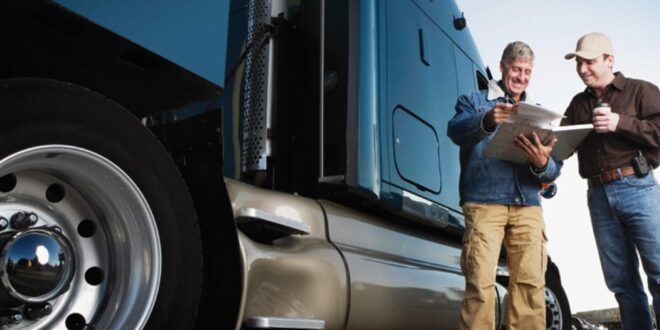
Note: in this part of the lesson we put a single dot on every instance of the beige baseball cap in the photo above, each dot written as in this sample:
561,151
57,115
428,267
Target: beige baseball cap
592,45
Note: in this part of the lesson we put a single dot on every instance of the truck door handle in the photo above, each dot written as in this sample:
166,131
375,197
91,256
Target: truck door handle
423,52
265,226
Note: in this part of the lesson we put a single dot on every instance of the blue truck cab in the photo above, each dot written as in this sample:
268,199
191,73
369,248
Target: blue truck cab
240,164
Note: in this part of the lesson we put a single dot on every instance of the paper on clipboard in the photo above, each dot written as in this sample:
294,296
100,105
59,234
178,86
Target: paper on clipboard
568,139
533,114
529,118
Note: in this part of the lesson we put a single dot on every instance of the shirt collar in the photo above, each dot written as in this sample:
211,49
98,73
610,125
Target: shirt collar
619,82
496,89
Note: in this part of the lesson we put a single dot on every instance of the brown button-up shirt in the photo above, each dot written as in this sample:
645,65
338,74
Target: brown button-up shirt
638,104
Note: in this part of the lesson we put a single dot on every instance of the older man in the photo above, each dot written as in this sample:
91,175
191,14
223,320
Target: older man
617,161
500,200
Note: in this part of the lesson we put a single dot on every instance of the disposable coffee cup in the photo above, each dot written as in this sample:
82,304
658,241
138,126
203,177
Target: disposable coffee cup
602,108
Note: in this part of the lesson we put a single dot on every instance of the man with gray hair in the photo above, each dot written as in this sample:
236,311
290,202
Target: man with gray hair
617,161
500,200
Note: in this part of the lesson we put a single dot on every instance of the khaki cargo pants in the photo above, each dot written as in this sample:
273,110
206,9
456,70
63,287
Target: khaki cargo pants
521,228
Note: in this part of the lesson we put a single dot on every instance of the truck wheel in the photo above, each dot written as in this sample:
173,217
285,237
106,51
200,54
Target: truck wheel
97,229
557,309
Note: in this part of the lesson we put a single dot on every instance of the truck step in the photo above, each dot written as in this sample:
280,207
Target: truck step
267,322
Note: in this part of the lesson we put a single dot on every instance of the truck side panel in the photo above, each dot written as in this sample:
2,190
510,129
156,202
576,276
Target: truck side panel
421,83
401,277
413,64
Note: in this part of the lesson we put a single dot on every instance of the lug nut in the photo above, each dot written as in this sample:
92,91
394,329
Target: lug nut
4,223
23,220
38,311
10,316
16,318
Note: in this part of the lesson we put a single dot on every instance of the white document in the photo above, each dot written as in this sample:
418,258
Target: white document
530,118
533,114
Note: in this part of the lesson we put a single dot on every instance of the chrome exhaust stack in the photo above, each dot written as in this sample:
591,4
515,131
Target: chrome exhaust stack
258,104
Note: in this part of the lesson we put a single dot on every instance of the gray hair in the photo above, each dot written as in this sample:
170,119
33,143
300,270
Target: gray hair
517,50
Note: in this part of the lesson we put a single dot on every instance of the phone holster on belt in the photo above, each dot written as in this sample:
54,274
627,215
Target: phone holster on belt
640,165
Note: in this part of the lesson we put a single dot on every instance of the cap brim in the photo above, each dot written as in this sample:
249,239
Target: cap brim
583,54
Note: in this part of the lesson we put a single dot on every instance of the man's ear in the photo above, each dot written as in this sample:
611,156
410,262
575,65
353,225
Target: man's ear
609,60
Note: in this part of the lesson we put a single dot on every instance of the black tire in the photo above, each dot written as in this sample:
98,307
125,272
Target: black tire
558,310
75,131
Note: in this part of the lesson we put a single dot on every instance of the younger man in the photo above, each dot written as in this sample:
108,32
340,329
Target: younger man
623,196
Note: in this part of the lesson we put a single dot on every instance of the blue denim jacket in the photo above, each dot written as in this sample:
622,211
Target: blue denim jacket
489,180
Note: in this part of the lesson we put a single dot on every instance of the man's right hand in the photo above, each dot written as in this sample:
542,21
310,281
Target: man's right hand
497,115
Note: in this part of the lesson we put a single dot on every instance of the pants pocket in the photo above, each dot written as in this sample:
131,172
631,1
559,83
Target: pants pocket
467,258
527,251
465,255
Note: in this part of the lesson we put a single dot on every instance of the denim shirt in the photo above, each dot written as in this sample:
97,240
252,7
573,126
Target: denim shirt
490,180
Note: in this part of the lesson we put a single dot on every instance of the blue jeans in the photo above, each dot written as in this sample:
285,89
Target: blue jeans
625,215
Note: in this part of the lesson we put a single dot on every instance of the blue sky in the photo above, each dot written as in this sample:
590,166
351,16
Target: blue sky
552,28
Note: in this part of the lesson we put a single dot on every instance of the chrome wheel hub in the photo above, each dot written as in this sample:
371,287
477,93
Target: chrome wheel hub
37,264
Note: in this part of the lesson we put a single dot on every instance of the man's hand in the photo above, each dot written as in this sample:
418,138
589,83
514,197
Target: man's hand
605,121
536,151
497,115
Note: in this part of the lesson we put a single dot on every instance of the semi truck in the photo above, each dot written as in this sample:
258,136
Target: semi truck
235,164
